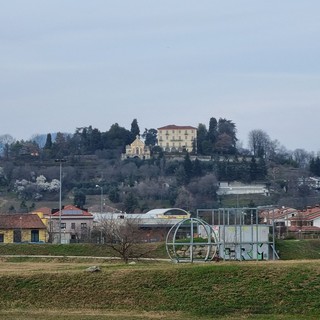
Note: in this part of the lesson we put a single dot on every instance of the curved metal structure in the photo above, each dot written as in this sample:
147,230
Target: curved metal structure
191,240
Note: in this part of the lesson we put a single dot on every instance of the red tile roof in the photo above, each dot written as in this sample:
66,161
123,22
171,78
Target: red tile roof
21,221
174,127
278,213
307,215
72,211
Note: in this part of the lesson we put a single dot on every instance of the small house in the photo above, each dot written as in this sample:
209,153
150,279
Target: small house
17,228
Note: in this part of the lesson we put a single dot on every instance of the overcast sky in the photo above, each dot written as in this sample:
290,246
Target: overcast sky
72,63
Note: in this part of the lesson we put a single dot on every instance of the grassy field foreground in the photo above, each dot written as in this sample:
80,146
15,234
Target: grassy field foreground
160,290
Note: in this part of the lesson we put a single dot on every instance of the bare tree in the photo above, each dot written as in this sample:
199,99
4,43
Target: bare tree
302,157
185,199
5,141
124,237
259,142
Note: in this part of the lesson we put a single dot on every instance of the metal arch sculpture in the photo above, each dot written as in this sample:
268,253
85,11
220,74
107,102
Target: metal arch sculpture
183,244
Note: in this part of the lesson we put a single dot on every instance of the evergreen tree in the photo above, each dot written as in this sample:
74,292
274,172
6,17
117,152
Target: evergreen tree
79,199
114,195
227,136
95,140
181,175
201,137
150,137
315,166
135,131
130,203
48,144
197,168
262,168
212,133
188,168
253,169
116,138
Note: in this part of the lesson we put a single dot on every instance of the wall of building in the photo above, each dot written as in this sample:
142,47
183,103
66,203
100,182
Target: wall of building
177,139
8,235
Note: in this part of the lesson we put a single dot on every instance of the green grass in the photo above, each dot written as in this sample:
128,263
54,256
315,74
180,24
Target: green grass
298,249
153,250
288,249
59,288
220,289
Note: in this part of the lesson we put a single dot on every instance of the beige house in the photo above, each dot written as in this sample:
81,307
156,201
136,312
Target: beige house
137,149
174,138
76,224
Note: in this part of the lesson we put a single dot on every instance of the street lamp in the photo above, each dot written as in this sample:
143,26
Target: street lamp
60,161
101,196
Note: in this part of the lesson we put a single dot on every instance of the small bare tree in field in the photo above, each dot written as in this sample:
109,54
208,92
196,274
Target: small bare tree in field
124,237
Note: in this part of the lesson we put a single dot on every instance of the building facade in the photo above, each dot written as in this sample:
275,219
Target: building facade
137,149
174,138
76,224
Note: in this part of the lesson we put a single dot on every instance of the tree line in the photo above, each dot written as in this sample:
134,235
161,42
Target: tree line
27,168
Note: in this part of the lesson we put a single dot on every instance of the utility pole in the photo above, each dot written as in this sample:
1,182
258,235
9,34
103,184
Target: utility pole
60,161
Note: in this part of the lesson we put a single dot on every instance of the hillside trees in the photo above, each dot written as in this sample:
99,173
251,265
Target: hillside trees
259,142
150,137
301,157
220,138
94,156
116,138
315,166
79,198
5,141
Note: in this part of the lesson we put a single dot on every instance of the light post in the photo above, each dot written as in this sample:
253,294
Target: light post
60,195
101,197
101,207
20,229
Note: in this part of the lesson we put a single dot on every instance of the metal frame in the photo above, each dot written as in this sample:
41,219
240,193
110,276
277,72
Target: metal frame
240,218
191,225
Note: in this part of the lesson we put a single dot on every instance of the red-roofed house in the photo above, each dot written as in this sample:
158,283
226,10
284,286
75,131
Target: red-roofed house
22,228
307,220
281,216
76,224
174,138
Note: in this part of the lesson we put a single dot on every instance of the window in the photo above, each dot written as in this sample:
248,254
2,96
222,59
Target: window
73,225
63,225
34,235
83,225
1,237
